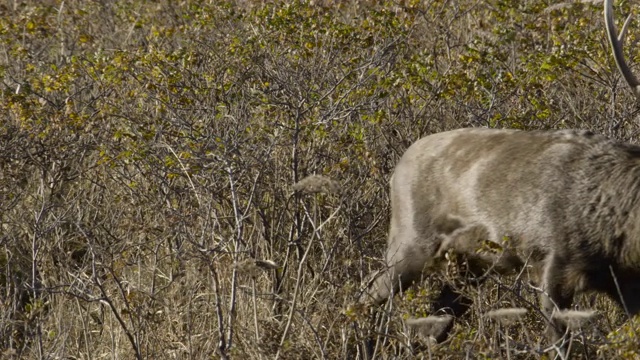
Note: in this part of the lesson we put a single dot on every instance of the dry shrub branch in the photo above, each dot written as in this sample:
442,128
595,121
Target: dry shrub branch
153,156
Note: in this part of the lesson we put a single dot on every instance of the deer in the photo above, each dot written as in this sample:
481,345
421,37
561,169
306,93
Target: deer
563,204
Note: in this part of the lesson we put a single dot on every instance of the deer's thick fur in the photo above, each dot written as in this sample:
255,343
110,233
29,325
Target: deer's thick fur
568,202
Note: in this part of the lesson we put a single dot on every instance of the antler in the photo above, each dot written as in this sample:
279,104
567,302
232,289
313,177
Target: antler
616,42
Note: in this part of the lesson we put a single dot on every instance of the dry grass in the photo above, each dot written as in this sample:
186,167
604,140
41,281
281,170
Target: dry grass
155,198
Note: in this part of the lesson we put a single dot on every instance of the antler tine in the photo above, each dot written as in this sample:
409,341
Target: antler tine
616,42
623,31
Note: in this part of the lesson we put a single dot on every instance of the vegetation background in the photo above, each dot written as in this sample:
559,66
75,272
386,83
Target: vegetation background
149,152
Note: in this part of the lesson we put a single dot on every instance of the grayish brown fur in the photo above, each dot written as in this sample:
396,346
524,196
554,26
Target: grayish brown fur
567,201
